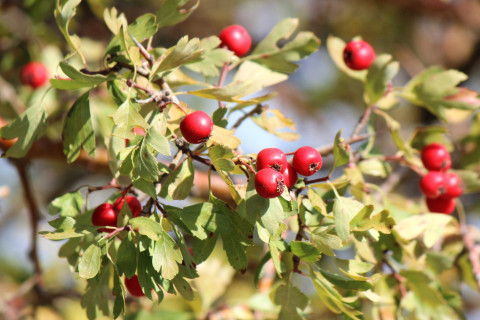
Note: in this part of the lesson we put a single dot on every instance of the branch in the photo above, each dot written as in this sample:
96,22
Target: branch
257,110
34,212
326,150
363,121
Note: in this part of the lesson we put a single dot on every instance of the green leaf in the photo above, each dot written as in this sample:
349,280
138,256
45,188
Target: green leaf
198,218
341,151
251,77
272,217
126,118
81,78
78,130
344,209
90,262
212,58
221,158
305,251
223,137
184,288
148,277
28,127
203,248
61,235
171,12
290,299
68,205
382,70
281,58
147,227
145,164
166,255
158,141
276,124
116,92
345,282
363,221
335,47
236,252
64,12
432,88
127,257
183,52
97,289
324,241
180,182
332,298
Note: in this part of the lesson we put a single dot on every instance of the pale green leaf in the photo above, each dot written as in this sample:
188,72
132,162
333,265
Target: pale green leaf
90,262
166,255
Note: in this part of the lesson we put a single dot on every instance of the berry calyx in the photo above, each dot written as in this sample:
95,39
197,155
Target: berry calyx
105,215
453,185
433,184
290,176
358,55
34,74
236,39
272,158
307,161
133,203
133,286
269,183
196,127
435,157
441,204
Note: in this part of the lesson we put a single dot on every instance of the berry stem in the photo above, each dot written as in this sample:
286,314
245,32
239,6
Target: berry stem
178,106
221,80
246,164
307,181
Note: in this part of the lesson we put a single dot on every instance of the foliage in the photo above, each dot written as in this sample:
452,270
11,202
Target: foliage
397,255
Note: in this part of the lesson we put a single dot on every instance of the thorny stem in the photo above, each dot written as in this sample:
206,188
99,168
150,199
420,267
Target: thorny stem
143,51
240,161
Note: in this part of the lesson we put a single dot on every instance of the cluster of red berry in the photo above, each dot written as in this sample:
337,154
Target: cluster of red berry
106,214
439,186
275,173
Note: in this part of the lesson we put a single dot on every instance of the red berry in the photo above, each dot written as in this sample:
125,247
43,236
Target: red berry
453,185
133,286
435,157
307,161
133,203
358,55
441,204
236,39
34,74
269,183
290,176
433,184
196,127
105,215
272,158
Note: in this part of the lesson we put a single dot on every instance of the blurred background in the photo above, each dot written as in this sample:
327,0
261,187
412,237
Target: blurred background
318,97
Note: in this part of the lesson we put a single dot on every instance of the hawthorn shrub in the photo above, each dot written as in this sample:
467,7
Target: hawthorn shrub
342,235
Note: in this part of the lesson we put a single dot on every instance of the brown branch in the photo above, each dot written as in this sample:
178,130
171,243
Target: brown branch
363,121
33,210
326,150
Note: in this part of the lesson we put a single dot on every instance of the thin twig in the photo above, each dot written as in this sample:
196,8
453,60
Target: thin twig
399,278
363,121
257,110
221,80
326,150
